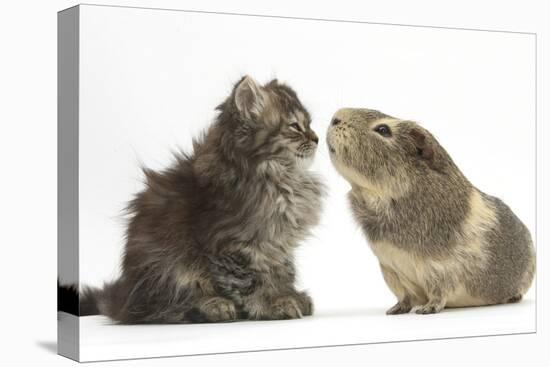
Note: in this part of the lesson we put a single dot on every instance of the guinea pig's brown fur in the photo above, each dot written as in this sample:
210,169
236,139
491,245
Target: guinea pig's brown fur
440,241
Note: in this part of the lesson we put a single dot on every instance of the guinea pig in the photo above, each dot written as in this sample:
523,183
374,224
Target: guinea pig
440,241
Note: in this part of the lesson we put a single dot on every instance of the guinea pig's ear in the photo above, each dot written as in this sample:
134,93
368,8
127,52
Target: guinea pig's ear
424,147
250,98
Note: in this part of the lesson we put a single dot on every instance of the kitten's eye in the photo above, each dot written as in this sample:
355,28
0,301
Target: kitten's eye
295,126
383,130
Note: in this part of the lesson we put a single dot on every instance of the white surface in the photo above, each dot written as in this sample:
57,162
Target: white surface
28,156
104,341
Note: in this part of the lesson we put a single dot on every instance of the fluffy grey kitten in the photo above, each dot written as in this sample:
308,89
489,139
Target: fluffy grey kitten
212,237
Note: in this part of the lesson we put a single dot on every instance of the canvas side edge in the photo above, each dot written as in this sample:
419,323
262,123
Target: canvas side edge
68,23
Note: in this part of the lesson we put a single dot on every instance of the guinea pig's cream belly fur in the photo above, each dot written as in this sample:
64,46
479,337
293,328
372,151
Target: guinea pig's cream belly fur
416,272
440,241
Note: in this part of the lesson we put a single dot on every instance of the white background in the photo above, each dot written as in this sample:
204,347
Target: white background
150,81
30,180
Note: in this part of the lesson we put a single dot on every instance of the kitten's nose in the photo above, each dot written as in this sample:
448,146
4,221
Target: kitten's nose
335,121
312,136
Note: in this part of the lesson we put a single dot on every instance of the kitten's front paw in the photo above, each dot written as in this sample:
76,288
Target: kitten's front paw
286,307
305,303
218,309
399,308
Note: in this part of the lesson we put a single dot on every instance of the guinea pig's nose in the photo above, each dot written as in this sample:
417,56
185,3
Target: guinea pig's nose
335,121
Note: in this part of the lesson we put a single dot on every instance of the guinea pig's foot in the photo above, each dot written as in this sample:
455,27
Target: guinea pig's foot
399,308
429,308
515,299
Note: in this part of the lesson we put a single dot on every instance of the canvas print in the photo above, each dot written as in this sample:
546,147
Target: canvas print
238,183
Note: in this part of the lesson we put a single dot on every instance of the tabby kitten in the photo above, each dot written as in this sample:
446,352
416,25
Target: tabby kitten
212,238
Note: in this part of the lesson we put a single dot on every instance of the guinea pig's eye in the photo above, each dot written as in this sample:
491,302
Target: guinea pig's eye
295,126
383,130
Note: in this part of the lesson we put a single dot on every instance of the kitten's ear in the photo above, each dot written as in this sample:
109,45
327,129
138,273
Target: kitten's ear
249,97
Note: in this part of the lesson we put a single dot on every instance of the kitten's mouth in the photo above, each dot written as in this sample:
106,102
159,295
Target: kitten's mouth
307,153
303,156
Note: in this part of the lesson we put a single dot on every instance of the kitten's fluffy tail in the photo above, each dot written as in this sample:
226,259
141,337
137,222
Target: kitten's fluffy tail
83,303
